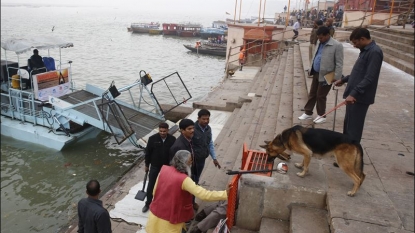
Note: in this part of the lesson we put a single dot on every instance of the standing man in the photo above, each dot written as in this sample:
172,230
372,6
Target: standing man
295,29
329,24
157,154
313,38
184,141
327,59
361,83
93,218
203,143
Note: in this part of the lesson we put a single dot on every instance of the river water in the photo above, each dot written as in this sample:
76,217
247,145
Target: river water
40,187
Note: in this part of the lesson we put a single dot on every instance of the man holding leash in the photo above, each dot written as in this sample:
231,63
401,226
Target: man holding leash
328,59
361,83
157,154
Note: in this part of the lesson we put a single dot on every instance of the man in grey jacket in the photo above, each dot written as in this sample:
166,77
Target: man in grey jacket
328,58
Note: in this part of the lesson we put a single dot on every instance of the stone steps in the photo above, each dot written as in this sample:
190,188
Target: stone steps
300,90
305,220
231,140
402,38
267,132
285,113
262,115
258,116
274,225
398,46
403,55
403,65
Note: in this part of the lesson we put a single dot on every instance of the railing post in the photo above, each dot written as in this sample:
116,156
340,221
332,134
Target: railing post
373,12
407,12
227,62
390,13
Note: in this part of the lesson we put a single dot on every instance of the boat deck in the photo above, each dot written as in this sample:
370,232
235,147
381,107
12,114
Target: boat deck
141,123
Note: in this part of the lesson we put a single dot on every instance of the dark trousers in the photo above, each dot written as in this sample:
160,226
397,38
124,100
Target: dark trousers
354,120
318,94
197,171
152,177
199,165
295,34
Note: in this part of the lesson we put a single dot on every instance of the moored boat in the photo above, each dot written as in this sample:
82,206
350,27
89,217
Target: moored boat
207,50
144,27
169,29
206,33
155,31
42,106
189,30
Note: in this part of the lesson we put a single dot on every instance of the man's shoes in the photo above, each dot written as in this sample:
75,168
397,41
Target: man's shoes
195,206
145,208
195,229
335,164
200,216
319,120
305,117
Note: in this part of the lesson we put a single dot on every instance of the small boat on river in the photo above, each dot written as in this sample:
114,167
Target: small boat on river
217,51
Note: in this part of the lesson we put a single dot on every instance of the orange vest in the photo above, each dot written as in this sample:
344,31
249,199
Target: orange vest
170,202
242,54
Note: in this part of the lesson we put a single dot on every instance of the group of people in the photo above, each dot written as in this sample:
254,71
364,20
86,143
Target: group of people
174,167
362,82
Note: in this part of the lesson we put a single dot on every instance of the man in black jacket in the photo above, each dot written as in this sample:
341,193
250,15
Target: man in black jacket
157,154
362,83
184,141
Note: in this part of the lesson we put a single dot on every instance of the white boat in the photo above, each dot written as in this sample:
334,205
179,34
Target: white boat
42,106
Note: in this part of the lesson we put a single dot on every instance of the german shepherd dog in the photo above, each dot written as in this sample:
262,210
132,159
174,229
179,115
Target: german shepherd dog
307,141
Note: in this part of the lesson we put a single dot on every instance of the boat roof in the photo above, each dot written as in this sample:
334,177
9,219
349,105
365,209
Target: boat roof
19,45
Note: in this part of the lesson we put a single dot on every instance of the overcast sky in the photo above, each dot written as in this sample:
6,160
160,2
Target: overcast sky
250,7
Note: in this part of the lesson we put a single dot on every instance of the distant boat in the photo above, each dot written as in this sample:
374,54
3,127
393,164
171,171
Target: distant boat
144,27
189,30
207,50
169,28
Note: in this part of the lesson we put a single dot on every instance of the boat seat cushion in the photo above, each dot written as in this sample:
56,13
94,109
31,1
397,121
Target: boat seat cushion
49,63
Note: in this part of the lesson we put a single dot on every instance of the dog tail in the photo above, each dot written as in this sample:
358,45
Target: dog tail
360,158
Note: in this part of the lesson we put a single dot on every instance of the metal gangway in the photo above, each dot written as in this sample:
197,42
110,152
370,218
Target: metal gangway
129,112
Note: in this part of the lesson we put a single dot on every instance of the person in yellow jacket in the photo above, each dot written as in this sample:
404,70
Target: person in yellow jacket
172,204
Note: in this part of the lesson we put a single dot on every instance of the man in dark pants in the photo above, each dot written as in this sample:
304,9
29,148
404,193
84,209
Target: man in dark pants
93,217
361,83
157,155
203,143
328,58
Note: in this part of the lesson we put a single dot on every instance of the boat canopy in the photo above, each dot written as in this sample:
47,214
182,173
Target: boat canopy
20,46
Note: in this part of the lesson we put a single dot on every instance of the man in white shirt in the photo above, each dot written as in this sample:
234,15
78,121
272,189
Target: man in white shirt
295,29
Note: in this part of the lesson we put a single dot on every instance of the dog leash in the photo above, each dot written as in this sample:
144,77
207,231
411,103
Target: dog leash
337,106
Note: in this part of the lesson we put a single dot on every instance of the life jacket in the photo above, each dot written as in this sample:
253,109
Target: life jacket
242,54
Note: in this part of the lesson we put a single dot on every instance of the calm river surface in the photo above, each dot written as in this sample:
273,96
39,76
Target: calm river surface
40,187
